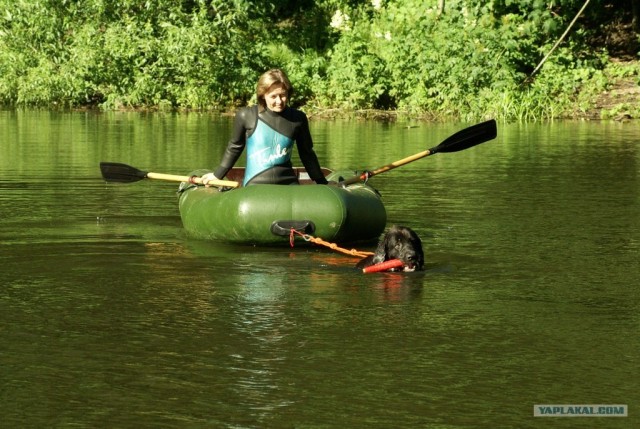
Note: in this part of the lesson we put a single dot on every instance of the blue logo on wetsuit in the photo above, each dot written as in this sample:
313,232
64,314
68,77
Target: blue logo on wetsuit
266,148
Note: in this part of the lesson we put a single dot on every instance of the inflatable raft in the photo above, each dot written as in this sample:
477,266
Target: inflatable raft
266,214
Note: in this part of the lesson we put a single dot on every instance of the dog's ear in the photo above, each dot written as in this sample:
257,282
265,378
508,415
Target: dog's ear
380,254
417,243
415,238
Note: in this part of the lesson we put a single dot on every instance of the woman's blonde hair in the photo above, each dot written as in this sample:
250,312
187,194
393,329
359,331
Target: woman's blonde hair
267,80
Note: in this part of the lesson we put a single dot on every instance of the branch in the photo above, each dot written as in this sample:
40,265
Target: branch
584,6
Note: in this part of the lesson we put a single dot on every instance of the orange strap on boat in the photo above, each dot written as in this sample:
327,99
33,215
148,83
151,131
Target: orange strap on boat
333,246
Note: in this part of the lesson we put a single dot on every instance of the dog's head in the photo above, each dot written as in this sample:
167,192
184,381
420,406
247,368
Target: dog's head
402,243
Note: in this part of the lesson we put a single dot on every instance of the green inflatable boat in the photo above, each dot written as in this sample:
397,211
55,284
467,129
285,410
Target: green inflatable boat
266,214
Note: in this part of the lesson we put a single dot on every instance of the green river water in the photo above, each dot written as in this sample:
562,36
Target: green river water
111,316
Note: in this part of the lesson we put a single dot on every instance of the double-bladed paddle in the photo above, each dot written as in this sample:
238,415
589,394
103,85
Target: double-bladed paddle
463,139
117,172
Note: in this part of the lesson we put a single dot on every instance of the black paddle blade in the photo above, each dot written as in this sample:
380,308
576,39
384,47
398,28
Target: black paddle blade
469,137
116,172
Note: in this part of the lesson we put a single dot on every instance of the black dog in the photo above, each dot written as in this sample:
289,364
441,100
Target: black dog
399,242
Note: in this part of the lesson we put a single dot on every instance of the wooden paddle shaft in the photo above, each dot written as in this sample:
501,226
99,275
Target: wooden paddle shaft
192,179
387,167
401,162
461,140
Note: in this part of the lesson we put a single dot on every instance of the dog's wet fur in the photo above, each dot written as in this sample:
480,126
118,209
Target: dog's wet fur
399,242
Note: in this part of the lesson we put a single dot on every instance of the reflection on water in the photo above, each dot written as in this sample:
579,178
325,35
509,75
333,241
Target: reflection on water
110,313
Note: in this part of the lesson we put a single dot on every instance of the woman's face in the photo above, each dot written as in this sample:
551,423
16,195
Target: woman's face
276,98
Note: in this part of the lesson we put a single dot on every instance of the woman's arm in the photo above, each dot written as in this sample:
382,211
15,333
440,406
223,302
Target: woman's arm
243,121
308,156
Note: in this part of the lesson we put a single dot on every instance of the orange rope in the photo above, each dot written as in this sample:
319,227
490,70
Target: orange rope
332,246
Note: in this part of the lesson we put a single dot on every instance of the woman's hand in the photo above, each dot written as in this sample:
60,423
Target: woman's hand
208,178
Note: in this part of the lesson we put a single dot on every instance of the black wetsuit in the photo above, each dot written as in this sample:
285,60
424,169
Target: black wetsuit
268,137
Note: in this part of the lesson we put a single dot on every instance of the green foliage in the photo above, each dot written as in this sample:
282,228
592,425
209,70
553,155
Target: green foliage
356,74
469,60
127,53
473,59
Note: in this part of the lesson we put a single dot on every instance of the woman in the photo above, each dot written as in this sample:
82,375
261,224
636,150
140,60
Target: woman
268,131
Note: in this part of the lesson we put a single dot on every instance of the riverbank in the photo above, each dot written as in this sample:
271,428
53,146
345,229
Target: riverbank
620,102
